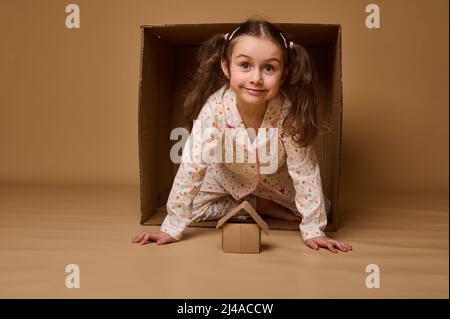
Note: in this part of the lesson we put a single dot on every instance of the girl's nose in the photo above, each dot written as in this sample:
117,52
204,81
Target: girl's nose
257,78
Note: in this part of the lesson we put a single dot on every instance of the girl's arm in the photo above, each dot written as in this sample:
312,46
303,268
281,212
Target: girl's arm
303,168
190,173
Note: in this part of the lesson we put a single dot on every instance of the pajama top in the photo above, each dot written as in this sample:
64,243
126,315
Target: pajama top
287,172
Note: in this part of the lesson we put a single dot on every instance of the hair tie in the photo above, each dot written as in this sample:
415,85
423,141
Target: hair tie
291,44
228,36
231,36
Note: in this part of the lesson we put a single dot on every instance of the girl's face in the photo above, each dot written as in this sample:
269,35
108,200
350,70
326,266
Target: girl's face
256,71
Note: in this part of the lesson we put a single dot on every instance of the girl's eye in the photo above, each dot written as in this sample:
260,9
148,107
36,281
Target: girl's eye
242,64
268,67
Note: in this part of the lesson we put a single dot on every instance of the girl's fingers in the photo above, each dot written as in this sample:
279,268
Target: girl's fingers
336,244
138,238
345,244
341,246
142,239
349,247
331,247
331,244
312,244
146,239
135,237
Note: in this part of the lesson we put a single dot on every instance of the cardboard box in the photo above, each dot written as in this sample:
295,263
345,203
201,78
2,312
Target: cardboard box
166,64
242,236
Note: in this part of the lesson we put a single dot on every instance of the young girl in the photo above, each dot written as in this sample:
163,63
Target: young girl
253,79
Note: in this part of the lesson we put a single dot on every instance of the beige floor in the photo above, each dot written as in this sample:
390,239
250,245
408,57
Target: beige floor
44,229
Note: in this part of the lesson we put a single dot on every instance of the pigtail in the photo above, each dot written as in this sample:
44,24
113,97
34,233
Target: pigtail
305,93
208,77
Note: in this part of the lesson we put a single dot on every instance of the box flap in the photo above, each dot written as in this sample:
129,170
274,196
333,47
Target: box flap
310,34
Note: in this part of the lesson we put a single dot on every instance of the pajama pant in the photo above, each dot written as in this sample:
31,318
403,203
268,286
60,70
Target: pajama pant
213,206
206,207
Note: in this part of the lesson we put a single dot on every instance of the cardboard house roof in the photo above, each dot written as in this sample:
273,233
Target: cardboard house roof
250,210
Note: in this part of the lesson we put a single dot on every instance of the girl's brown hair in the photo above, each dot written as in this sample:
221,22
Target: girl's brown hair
301,86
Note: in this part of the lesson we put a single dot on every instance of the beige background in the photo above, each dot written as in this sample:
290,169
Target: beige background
69,97
68,116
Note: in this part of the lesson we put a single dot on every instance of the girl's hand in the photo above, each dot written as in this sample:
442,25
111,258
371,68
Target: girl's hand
160,238
331,244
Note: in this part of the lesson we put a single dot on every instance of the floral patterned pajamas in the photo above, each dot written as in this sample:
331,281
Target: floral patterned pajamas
209,206
205,189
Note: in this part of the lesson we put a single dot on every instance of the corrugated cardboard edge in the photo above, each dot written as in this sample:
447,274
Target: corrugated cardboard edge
141,179
158,25
249,209
335,219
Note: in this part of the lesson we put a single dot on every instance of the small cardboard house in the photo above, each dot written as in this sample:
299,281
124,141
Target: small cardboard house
242,235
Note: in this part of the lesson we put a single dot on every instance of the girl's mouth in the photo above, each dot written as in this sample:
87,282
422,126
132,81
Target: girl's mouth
255,91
